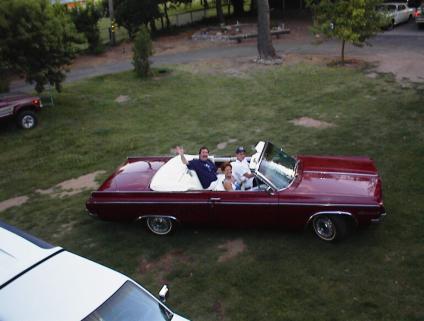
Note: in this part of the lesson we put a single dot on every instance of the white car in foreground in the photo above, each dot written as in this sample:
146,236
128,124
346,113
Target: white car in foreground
397,13
41,282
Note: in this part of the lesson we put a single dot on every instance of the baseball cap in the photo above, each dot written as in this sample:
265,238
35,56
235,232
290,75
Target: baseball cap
240,149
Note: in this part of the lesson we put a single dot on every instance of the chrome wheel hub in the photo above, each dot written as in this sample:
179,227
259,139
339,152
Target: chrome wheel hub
28,122
325,228
159,225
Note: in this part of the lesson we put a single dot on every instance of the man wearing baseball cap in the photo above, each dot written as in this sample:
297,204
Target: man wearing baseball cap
241,171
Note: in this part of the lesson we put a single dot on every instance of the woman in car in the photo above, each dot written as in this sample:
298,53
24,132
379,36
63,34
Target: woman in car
229,181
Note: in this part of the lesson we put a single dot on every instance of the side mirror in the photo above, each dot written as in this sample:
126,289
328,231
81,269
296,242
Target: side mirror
163,293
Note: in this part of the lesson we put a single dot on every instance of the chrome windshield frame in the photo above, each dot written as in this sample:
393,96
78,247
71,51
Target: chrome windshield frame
266,180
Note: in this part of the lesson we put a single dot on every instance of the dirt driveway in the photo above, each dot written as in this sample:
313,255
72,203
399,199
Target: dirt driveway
388,53
400,51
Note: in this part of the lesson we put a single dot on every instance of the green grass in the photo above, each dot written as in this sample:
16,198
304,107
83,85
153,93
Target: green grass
374,275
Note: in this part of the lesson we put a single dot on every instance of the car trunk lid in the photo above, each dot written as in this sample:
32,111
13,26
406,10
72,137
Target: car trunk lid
134,174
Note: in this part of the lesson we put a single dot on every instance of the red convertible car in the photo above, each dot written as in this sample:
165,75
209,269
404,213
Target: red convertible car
329,194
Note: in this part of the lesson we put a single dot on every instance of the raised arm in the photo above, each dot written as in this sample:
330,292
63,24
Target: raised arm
180,151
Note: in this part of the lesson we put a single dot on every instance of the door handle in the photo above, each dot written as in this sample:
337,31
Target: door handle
215,199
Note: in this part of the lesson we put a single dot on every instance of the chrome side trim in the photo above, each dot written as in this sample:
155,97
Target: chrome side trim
207,202
6,111
341,173
332,213
155,215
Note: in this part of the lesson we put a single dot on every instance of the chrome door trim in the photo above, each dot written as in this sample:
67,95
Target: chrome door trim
340,173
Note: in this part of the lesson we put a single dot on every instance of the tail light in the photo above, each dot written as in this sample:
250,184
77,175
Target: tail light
417,13
378,194
36,102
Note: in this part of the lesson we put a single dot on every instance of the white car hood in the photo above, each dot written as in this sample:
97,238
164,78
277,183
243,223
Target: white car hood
176,317
65,287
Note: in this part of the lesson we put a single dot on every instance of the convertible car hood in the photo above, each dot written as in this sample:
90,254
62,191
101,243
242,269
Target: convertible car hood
347,176
134,175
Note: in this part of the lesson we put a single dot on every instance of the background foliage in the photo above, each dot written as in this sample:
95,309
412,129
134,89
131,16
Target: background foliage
142,50
37,40
86,20
351,21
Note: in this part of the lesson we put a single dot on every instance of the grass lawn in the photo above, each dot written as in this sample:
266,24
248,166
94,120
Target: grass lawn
377,274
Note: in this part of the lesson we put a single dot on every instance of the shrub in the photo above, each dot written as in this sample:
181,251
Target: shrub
142,49
37,40
86,20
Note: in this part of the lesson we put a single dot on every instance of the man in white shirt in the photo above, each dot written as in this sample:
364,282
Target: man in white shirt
241,171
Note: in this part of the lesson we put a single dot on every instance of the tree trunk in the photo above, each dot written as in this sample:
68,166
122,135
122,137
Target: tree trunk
153,25
343,49
266,50
219,12
112,20
253,8
238,7
165,9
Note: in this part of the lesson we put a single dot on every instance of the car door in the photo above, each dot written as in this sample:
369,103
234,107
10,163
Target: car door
245,208
402,13
192,207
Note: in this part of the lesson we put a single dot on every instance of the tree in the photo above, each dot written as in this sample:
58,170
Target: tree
37,40
219,12
134,13
238,7
266,50
351,21
86,20
142,50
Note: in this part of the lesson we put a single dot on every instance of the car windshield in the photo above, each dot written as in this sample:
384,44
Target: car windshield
277,167
130,303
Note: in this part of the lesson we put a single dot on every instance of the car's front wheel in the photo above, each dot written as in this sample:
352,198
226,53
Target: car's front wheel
330,228
27,119
159,225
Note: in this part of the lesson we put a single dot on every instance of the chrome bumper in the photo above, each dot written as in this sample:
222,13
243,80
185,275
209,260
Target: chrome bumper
380,219
94,215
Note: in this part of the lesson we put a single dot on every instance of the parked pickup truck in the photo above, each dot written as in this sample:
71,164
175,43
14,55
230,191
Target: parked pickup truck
22,107
419,16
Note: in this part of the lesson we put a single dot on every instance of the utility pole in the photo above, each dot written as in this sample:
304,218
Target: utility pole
112,23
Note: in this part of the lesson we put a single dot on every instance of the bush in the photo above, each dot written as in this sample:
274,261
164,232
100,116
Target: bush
37,41
86,20
4,80
142,49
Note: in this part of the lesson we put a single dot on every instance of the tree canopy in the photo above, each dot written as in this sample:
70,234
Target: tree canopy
37,40
86,18
134,13
352,21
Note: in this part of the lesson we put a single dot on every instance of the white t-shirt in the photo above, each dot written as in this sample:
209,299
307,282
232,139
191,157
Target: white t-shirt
239,169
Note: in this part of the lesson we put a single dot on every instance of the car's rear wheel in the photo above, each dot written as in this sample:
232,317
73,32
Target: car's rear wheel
159,225
27,119
330,228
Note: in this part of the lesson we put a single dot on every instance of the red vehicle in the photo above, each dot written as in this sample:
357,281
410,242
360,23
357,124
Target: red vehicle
22,107
329,194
